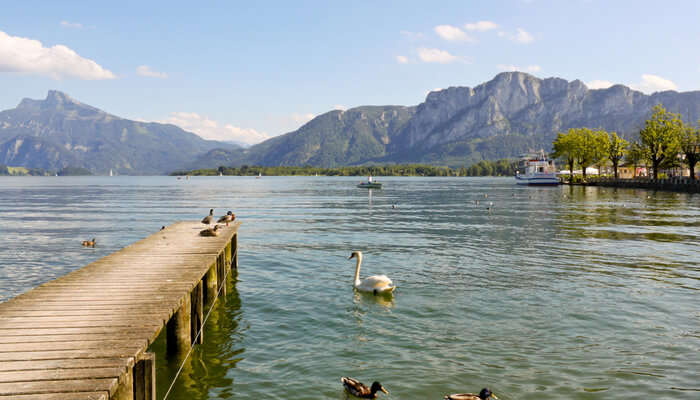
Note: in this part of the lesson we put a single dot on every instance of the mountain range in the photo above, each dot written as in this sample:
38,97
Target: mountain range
512,114
509,115
61,132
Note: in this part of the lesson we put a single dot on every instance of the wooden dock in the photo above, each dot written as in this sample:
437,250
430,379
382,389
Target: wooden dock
85,335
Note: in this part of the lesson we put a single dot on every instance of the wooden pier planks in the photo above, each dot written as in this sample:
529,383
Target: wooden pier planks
79,336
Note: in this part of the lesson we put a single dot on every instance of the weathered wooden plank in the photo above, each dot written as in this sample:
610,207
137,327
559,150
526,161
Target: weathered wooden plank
41,387
70,363
116,323
59,396
120,352
61,374
67,330
91,337
72,345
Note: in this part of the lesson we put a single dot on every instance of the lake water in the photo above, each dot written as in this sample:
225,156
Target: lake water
558,293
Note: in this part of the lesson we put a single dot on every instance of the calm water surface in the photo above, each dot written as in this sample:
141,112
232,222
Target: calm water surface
559,293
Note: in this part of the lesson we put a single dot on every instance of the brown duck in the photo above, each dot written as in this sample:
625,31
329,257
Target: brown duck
210,231
209,218
485,394
229,217
89,243
359,389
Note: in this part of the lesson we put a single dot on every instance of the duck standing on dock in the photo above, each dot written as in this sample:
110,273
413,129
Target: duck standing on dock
209,218
210,231
485,394
229,217
358,389
89,243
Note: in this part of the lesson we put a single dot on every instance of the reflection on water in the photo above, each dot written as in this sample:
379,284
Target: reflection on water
557,293
368,299
206,372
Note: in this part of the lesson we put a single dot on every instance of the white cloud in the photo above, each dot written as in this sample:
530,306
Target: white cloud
210,129
18,54
145,70
301,119
435,56
599,84
74,25
452,33
402,59
521,36
481,26
653,83
513,68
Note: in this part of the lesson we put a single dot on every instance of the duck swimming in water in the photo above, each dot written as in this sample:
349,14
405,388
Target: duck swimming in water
359,389
485,394
89,243
210,231
209,218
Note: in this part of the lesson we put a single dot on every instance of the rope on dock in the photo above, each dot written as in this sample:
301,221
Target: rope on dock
194,340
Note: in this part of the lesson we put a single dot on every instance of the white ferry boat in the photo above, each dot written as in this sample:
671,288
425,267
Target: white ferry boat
536,170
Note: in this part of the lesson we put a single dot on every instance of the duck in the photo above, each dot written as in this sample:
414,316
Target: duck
229,217
209,218
485,394
210,231
89,243
375,284
359,389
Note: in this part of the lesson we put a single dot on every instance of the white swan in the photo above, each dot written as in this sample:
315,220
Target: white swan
375,284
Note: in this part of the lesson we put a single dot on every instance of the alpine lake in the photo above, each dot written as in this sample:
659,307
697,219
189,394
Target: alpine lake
555,293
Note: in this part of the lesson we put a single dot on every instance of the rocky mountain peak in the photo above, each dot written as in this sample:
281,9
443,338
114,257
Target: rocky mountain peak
56,97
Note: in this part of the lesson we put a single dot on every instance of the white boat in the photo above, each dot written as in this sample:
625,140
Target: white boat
111,173
536,170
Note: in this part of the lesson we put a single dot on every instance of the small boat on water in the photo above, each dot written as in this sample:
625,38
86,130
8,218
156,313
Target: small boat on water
537,170
370,184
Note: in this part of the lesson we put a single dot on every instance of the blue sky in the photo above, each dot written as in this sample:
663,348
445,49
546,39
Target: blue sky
241,71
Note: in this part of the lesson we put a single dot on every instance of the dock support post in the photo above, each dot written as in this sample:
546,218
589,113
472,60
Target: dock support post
178,336
211,284
234,248
125,390
197,312
221,262
145,377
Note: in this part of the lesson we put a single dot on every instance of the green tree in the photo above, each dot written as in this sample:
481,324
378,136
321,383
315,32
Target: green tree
590,147
690,147
565,148
660,137
635,154
616,147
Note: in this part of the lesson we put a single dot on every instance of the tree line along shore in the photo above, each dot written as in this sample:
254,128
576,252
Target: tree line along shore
504,167
665,143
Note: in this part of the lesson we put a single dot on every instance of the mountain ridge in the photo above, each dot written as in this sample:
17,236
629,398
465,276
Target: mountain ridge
64,132
511,114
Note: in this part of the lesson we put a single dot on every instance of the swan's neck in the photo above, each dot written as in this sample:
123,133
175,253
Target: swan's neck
357,269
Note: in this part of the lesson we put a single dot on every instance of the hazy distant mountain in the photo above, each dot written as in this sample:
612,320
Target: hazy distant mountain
60,132
511,114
